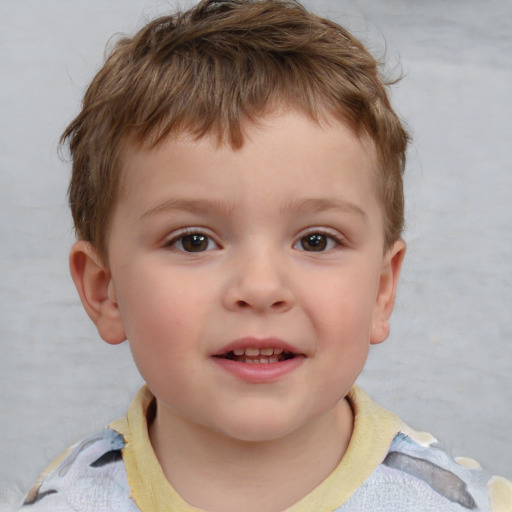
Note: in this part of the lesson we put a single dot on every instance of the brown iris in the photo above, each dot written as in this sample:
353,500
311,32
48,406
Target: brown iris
314,242
194,243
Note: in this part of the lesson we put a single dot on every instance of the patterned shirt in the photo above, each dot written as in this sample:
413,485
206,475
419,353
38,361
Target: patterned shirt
388,467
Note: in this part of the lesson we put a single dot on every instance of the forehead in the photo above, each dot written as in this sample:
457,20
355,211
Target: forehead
300,125
284,151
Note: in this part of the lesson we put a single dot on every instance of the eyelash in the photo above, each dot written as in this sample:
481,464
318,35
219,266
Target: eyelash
190,232
326,237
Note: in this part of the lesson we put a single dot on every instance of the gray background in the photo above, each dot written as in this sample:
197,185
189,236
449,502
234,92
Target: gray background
447,365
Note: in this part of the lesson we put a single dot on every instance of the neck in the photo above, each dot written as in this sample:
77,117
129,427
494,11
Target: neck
214,472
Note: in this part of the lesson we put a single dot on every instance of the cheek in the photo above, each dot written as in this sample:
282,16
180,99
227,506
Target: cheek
151,299
343,324
345,306
163,317
161,340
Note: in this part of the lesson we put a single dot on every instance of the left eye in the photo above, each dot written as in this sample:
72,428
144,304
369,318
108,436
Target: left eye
316,242
193,242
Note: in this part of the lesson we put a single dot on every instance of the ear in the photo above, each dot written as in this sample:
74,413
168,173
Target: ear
385,302
97,292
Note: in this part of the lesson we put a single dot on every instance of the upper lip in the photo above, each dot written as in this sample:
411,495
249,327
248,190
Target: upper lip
254,342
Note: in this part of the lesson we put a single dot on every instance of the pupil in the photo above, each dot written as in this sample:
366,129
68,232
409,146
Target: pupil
314,242
195,243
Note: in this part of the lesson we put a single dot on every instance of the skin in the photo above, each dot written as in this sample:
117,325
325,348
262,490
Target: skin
223,441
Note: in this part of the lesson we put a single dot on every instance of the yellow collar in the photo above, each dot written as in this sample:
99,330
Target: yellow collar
374,430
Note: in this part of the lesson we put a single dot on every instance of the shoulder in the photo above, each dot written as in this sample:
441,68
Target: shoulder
417,472
413,473
91,477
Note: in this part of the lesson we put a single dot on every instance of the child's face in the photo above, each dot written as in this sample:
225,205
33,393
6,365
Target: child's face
277,245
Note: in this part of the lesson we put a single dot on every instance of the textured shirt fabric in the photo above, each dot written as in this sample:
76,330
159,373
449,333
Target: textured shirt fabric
388,467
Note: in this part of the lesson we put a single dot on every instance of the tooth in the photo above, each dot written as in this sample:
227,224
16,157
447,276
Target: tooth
278,351
247,360
273,359
239,352
263,360
266,351
252,352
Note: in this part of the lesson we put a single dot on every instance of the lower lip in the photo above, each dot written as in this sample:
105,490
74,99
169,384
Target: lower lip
259,372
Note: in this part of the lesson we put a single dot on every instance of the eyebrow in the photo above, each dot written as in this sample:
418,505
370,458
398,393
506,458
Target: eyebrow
316,205
198,206
294,206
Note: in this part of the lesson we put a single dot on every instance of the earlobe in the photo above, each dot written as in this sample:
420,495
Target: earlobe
387,292
97,292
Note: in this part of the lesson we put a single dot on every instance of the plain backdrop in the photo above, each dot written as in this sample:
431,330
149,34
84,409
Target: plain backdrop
447,365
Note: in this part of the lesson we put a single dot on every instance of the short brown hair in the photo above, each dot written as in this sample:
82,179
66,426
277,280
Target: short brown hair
213,68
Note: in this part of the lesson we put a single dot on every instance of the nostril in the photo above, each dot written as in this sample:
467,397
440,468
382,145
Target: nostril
278,305
259,298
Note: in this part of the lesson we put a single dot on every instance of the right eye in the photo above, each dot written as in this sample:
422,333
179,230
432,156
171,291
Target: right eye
318,241
193,242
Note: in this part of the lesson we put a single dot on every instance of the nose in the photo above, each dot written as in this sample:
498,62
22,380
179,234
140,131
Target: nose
259,282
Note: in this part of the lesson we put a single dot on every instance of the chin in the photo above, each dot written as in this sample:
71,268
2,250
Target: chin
263,429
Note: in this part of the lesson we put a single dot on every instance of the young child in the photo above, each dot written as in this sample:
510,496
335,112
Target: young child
237,196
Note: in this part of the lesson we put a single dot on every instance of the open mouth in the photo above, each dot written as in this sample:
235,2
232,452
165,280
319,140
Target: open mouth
258,355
